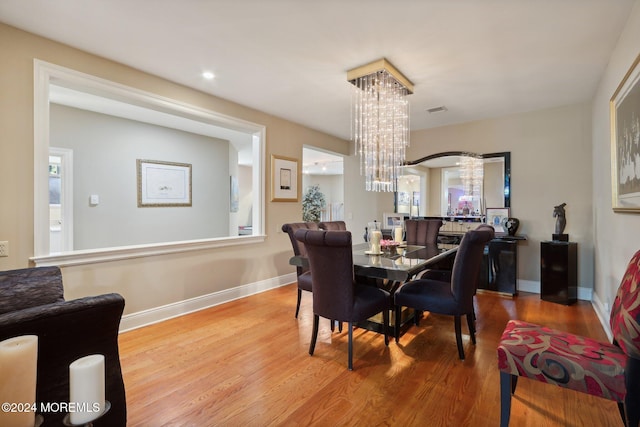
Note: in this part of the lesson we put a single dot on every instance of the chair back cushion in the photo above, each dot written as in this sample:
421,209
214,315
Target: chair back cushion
422,231
331,263
333,225
466,266
625,312
290,229
30,287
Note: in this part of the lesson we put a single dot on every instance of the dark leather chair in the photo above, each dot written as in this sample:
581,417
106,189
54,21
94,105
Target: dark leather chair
607,370
336,294
32,303
422,231
454,296
332,225
303,274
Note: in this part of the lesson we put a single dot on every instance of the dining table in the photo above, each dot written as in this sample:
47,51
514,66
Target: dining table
389,269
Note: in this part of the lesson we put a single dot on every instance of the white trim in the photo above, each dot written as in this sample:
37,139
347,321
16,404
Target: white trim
91,256
529,286
169,311
603,313
533,286
44,73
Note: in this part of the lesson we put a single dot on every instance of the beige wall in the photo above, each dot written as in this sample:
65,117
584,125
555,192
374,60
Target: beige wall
146,282
617,235
550,164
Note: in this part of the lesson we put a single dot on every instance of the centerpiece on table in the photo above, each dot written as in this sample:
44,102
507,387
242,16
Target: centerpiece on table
389,246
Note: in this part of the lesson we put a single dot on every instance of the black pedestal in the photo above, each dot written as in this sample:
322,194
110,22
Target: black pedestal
559,272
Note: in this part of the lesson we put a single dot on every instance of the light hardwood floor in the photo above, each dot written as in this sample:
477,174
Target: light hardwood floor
246,363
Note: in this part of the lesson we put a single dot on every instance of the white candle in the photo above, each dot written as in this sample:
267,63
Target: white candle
86,388
18,369
376,236
398,234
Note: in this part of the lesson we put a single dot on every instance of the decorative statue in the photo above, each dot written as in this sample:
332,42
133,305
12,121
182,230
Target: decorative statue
561,220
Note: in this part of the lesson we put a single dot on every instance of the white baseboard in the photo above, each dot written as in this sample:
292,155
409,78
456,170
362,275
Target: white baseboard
603,314
533,286
165,312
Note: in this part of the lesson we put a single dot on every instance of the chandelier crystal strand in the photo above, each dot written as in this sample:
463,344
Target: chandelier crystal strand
380,114
472,176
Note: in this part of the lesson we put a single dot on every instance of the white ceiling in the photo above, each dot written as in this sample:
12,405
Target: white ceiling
479,58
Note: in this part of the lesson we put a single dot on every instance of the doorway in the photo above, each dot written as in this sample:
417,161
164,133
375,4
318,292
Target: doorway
60,200
326,170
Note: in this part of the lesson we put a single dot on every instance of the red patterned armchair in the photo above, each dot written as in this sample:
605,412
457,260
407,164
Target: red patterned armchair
611,371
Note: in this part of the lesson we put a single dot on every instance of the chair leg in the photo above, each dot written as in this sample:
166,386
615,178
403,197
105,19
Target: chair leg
458,324
314,333
350,346
506,385
632,399
385,320
396,323
472,327
622,413
298,304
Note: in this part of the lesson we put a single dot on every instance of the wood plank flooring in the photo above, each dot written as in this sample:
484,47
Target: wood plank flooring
246,363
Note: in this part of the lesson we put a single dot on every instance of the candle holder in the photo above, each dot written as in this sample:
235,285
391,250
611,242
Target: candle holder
67,418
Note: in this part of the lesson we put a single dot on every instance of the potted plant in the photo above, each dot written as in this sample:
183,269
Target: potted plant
313,203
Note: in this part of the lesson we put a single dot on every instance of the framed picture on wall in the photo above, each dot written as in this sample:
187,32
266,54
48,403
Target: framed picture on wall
625,142
497,217
285,179
163,184
389,220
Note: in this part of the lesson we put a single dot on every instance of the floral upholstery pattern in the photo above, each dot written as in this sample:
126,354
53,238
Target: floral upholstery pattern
625,312
567,360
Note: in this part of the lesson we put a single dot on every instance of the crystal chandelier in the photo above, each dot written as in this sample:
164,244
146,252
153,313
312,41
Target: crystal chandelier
380,122
472,176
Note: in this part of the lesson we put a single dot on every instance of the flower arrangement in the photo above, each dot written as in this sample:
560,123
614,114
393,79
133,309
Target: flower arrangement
388,243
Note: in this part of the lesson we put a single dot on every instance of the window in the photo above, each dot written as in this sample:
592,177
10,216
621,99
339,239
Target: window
109,127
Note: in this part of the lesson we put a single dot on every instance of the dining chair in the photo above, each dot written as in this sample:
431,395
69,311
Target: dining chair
303,274
452,297
422,231
336,294
607,370
332,225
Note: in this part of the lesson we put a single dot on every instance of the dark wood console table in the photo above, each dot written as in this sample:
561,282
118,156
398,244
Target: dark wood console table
499,270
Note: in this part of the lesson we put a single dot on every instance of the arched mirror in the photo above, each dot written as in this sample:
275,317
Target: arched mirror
455,184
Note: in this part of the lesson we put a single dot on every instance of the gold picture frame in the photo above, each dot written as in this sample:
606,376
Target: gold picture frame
285,179
163,184
625,142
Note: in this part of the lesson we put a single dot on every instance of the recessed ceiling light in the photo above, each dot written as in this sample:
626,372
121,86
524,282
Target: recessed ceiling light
208,75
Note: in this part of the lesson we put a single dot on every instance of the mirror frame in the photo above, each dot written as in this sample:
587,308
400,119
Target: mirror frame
506,155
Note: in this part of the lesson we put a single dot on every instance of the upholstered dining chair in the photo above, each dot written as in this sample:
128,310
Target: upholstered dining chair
336,294
303,274
608,370
332,225
451,297
422,231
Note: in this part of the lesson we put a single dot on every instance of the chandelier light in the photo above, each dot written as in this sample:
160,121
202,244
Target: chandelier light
472,176
380,125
